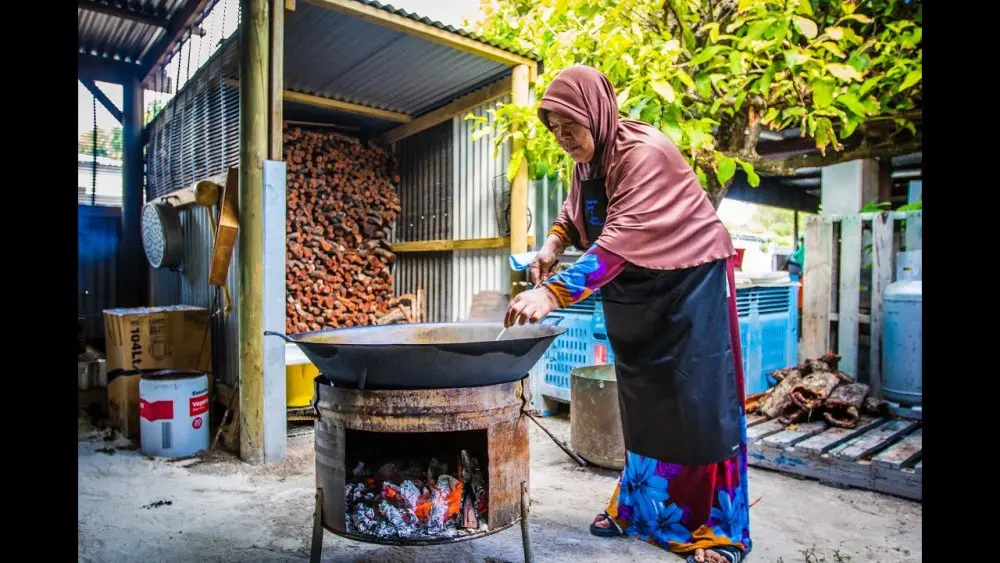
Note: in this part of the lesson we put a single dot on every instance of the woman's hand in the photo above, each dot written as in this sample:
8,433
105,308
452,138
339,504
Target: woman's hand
543,264
532,306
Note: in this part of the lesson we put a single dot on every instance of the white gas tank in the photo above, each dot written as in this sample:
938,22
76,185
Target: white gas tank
173,413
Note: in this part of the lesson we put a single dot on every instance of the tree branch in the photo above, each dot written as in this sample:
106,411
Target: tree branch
788,166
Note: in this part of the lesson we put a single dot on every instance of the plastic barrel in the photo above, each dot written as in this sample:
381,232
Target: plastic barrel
173,413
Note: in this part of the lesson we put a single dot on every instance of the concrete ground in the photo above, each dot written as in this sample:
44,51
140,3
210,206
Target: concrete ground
134,508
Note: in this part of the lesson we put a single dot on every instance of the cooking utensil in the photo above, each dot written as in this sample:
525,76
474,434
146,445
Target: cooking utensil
426,355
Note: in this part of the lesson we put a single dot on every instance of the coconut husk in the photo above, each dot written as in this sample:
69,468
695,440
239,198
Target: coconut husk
781,374
831,360
843,407
813,389
791,413
875,407
778,397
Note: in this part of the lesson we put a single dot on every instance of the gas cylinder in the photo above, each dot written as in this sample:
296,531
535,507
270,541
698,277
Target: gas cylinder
902,335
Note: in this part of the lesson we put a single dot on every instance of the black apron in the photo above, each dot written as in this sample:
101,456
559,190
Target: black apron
669,330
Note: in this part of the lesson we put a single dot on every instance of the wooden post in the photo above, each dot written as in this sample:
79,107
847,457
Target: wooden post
277,80
519,187
817,287
254,56
134,290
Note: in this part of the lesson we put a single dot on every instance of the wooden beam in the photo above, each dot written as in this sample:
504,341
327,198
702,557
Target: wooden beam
103,98
447,245
457,107
254,57
520,85
429,32
159,53
277,81
121,12
328,103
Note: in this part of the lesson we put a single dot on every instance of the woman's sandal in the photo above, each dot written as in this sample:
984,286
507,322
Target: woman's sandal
732,554
613,531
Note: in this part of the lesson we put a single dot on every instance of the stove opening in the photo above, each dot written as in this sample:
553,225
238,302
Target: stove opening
416,485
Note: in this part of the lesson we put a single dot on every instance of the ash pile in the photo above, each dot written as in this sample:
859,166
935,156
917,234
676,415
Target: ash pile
816,390
417,500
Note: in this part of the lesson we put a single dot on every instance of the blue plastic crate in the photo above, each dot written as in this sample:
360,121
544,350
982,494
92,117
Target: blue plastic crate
769,332
768,320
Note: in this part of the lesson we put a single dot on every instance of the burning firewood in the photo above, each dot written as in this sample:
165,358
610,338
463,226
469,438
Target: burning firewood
843,406
813,389
416,500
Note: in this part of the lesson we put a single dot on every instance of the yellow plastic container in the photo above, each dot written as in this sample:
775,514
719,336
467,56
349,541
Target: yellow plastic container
299,386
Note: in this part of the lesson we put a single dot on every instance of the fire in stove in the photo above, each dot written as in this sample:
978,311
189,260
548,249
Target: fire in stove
418,498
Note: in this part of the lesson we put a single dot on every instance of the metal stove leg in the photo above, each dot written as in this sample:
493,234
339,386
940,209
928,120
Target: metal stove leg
316,551
529,555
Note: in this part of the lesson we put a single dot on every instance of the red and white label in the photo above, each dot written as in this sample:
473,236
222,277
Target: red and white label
156,410
600,354
196,423
199,405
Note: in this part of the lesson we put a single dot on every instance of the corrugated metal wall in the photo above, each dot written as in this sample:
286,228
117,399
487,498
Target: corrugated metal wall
189,286
425,193
99,233
474,214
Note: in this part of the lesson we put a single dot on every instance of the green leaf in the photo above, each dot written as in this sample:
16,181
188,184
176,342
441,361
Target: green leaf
765,81
844,72
912,78
725,170
851,102
480,133
704,83
847,127
636,110
857,17
834,32
806,27
868,85
671,129
686,79
702,178
623,96
516,158
794,58
804,8
706,54
822,91
736,63
833,48
739,99
752,178
770,115
665,90
756,31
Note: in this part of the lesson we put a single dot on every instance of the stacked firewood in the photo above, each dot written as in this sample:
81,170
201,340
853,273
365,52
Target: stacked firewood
342,202
814,389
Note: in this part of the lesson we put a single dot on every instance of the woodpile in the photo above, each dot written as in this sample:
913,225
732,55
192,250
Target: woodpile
814,389
342,203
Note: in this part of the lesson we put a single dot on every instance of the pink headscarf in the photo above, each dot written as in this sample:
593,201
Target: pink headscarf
659,216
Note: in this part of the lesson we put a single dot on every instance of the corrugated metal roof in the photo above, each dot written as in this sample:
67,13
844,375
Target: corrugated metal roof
416,17
333,55
110,36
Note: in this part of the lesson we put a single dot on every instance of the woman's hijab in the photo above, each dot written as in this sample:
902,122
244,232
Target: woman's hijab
658,214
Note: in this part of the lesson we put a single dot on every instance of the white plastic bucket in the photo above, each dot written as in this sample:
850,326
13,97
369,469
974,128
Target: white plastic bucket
173,413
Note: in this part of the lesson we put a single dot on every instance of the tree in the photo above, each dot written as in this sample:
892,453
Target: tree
712,74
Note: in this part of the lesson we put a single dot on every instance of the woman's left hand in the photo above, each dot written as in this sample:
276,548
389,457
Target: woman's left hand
532,306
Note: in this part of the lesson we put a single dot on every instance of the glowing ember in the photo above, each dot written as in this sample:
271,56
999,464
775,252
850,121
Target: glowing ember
418,502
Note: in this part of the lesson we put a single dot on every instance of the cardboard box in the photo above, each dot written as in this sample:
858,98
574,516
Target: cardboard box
150,338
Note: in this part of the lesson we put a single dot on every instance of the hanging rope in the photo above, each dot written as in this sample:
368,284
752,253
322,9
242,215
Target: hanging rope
93,152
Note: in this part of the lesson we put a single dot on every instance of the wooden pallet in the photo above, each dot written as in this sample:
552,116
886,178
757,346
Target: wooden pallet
880,454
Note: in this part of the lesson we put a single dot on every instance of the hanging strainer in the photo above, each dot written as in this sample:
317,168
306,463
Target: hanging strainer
501,204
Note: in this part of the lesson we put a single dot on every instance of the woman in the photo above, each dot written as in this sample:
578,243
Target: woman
663,262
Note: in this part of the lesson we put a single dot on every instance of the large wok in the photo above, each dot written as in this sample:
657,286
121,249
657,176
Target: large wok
426,355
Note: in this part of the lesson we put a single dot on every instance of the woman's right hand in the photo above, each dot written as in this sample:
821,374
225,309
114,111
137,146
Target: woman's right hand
543,265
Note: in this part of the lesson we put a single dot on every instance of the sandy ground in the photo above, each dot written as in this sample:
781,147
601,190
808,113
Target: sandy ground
133,508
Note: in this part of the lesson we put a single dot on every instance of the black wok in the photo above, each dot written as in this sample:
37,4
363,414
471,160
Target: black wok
426,355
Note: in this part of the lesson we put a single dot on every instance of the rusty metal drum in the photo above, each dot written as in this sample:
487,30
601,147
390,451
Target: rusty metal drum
595,418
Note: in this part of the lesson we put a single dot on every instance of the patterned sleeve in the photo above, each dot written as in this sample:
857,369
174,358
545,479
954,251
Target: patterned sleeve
591,271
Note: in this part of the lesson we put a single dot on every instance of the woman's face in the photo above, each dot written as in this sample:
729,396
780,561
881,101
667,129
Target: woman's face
573,137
